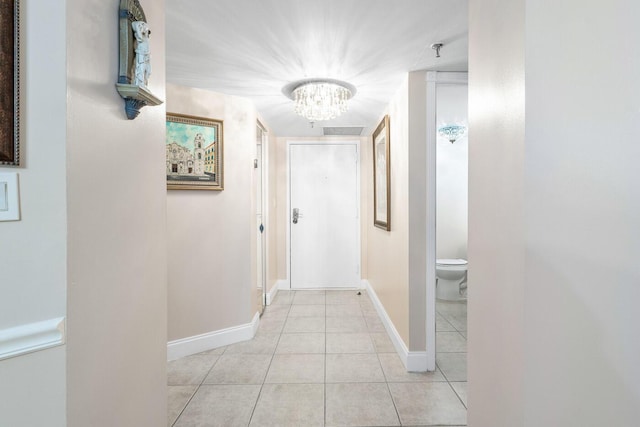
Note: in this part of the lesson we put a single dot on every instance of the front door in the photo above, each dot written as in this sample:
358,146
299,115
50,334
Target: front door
324,215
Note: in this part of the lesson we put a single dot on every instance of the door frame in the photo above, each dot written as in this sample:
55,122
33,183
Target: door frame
265,209
289,143
433,79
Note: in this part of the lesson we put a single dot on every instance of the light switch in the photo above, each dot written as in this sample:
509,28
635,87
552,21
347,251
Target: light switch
9,198
4,199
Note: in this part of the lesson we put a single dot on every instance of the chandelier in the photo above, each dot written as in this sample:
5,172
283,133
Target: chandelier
320,99
452,132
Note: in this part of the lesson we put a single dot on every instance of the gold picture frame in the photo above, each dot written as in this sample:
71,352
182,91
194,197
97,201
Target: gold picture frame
195,153
10,82
382,176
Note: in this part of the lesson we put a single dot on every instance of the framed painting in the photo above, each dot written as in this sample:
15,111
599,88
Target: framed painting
10,83
382,176
195,153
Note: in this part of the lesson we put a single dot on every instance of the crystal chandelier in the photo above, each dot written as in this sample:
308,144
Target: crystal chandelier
318,100
452,132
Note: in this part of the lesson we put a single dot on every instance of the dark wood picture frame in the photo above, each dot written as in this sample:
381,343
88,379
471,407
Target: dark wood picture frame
382,176
10,82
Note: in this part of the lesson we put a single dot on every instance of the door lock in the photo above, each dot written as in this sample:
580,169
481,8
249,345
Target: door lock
296,215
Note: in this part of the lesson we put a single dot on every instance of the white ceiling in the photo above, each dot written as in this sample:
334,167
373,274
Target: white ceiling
253,48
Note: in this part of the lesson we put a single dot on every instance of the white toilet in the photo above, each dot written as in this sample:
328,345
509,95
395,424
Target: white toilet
451,279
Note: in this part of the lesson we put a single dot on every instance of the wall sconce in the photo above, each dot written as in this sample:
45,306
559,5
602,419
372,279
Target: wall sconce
452,132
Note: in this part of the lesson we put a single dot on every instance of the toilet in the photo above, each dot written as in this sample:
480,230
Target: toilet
451,279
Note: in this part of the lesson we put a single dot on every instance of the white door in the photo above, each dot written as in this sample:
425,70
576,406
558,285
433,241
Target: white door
324,215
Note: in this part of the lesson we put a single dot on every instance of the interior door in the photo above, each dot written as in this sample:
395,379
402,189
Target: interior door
324,216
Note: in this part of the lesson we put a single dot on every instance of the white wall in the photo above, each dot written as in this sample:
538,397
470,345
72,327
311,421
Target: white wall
496,217
417,206
33,250
554,242
117,316
452,168
211,234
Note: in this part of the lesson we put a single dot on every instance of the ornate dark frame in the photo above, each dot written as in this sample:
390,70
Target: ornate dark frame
378,222
10,82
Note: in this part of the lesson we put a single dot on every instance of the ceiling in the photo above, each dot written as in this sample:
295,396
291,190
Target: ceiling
253,48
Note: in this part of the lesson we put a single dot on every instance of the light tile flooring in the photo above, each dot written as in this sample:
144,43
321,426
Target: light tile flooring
322,358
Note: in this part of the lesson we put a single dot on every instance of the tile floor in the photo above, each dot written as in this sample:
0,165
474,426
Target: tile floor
321,358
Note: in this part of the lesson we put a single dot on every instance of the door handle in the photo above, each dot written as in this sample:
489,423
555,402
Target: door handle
296,215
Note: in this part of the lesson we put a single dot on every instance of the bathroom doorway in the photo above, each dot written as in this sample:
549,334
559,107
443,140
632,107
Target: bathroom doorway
447,195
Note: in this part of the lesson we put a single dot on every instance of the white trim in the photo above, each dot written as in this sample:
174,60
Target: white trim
32,337
433,79
199,343
271,293
455,77
355,142
264,169
414,361
431,186
255,324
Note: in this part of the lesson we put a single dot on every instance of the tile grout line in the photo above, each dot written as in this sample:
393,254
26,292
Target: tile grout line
273,355
324,382
459,352
198,386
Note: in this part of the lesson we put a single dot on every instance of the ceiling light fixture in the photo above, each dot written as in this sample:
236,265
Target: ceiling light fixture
320,99
437,47
452,132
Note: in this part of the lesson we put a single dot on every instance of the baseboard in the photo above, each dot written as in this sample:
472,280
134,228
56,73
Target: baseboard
414,361
199,343
32,337
271,294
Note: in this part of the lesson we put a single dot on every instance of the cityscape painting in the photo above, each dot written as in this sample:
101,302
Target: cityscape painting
194,153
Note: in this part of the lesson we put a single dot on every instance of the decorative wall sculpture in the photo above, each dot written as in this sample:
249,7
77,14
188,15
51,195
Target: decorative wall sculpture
135,59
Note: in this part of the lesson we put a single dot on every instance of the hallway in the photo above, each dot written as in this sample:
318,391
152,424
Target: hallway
321,358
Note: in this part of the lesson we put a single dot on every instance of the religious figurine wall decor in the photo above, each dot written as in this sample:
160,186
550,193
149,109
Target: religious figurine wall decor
135,59
142,62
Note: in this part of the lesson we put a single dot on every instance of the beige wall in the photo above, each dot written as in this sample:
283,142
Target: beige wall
554,214
33,286
211,234
388,251
116,351
396,259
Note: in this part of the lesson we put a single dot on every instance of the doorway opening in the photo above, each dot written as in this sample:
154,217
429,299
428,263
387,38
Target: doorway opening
447,195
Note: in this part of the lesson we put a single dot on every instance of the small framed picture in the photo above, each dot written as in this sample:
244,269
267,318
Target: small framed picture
9,83
382,176
195,155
